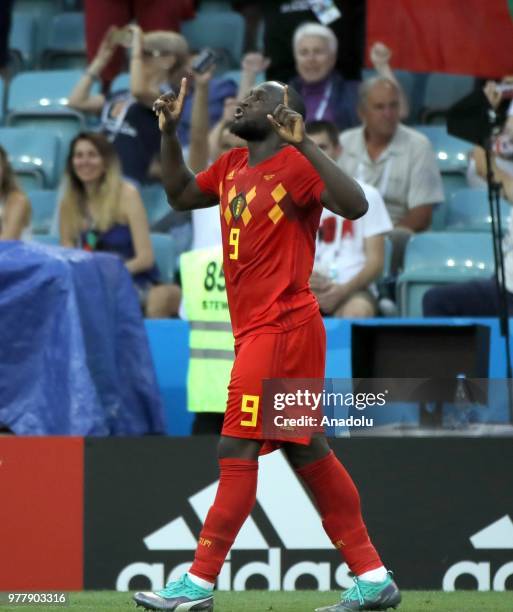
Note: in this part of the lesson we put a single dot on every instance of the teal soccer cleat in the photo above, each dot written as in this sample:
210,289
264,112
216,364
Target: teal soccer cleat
180,596
367,596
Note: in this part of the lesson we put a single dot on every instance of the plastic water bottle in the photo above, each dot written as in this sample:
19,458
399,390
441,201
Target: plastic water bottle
462,402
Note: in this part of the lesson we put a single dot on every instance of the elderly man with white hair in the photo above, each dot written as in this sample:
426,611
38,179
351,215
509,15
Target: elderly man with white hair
327,95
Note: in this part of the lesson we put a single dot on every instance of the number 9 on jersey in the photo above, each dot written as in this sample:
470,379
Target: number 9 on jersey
234,242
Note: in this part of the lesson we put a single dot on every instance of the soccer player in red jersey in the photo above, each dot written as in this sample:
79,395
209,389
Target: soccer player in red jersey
270,196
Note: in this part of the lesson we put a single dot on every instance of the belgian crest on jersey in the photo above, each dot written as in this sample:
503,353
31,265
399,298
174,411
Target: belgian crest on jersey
237,205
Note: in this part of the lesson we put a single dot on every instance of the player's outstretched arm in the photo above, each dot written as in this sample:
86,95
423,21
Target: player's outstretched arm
179,181
342,195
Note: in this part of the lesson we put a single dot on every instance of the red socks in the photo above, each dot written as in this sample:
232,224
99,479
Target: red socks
336,496
235,498
339,505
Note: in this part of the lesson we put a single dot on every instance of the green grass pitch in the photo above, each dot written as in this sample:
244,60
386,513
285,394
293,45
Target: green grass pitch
297,601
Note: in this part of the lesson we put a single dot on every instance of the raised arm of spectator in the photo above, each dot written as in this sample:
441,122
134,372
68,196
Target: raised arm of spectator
199,138
496,97
179,181
141,88
214,136
380,56
81,98
252,65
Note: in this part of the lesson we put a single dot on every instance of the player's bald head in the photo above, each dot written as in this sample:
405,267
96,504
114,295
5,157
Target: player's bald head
276,89
251,117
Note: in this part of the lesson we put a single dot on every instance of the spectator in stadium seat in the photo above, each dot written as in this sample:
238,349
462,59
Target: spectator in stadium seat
158,62
479,298
14,204
349,254
278,20
502,155
100,211
380,56
327,95
148,14
395,159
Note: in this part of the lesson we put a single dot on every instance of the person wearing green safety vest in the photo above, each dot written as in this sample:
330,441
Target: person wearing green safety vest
210,341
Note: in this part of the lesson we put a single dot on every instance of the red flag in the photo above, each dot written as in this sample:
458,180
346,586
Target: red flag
472,37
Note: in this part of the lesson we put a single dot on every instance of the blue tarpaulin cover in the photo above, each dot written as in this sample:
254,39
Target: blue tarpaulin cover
74,355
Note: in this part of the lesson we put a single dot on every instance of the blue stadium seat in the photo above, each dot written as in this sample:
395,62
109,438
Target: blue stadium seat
222,31
434,258
442,91
66,46
48,239
155,202
164,252
33,154
468,210
44,203
46,90
42,12
453,182
22,41
39,99
387,258
451,153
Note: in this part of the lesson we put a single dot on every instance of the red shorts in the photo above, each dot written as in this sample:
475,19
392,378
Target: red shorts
298,353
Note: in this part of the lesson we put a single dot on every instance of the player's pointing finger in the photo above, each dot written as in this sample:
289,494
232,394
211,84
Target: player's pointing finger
181,94
286,95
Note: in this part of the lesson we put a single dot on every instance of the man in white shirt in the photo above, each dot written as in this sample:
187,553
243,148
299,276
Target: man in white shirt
397,160
349,254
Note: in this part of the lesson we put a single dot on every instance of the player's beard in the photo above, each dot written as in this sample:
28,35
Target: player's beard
250,130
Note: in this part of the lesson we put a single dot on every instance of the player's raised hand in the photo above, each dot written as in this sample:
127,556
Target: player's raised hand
287,123
168,108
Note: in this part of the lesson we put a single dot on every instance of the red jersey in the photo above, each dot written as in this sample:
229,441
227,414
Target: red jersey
269,218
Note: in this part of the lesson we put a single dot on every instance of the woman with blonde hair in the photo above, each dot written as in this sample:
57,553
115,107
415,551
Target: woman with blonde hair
100,211
14,205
